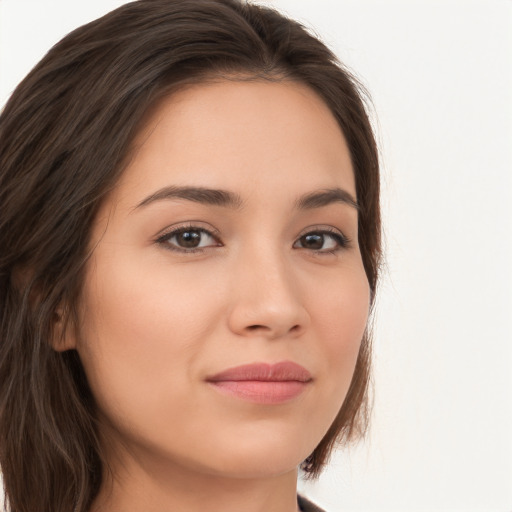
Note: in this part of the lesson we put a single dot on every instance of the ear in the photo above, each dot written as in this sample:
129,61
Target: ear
63,334
63,331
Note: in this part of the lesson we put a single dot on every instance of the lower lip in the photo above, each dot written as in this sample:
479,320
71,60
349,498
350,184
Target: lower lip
261,392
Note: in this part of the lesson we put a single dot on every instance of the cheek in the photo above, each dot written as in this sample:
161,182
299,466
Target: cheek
142,325
131,301
341,315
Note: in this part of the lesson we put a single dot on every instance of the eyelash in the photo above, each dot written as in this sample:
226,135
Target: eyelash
167,236
342,242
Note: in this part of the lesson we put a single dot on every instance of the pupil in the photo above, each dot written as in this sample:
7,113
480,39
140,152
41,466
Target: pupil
188,238
313,241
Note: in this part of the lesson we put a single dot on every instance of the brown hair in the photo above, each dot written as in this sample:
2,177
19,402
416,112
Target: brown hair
65,135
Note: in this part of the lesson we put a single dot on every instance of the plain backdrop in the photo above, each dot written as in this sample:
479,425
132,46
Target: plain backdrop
440,74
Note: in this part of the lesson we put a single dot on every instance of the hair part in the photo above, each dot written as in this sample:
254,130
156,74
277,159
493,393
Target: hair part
65,137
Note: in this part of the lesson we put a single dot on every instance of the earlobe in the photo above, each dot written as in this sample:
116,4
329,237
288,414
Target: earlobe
63,333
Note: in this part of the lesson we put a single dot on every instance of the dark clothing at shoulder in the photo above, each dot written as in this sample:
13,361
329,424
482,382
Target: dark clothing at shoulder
306,505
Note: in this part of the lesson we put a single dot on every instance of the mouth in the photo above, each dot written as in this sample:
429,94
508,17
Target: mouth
263,383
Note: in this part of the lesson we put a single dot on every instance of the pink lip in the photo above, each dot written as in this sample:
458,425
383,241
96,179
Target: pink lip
263,383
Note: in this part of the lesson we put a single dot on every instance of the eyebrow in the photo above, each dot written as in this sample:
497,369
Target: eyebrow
227,199
325,197
214,197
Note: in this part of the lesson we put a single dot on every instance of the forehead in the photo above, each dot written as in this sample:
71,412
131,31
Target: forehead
239,135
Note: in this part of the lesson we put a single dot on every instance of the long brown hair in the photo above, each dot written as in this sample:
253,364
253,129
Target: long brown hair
65,135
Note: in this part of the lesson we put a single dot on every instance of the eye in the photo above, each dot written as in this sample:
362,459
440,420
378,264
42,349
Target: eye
322,241
188,239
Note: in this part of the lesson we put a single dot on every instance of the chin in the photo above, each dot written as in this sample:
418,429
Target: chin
258,459
256,468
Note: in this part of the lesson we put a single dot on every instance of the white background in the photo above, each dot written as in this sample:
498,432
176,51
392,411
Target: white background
440,73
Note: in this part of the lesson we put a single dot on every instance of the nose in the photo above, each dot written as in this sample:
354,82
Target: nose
267,300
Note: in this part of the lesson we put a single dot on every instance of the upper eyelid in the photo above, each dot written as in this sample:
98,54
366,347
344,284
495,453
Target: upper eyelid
343,240
323,229
194,225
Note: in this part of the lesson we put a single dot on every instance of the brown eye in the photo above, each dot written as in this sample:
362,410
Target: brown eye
188,239
312,241
321,241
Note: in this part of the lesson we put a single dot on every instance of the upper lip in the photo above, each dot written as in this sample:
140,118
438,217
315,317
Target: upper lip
277,372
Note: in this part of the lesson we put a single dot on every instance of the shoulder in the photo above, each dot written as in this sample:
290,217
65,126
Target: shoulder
306,505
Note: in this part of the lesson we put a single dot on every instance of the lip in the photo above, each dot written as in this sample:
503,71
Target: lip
262,382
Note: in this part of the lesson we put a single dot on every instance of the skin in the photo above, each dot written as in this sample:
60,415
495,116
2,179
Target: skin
156,321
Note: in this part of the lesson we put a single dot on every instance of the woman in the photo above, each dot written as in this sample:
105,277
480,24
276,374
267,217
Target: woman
190,239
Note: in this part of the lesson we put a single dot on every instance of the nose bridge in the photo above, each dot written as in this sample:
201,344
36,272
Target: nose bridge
268,299
271,276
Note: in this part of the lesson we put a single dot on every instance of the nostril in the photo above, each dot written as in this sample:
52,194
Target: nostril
255,327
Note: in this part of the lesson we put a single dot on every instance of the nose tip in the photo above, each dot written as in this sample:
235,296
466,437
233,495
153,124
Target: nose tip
268,304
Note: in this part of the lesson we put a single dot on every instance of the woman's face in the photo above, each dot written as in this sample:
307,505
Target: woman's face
230,240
